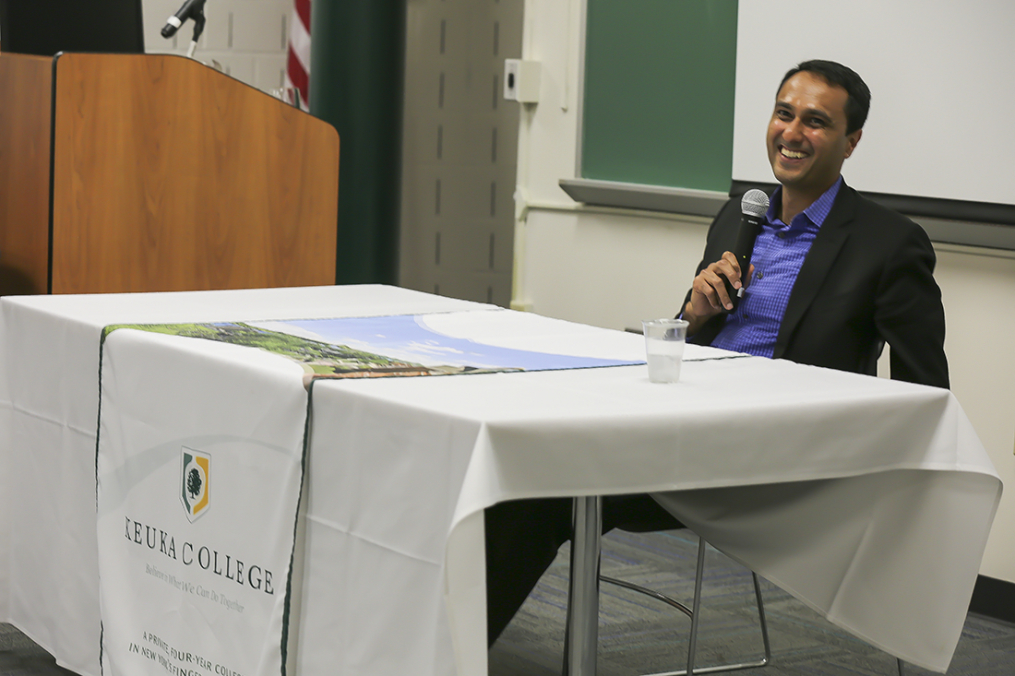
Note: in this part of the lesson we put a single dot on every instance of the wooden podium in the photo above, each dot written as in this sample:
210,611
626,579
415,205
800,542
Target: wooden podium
127,173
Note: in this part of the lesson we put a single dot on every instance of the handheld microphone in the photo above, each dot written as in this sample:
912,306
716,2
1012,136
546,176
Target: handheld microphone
753,206
189,8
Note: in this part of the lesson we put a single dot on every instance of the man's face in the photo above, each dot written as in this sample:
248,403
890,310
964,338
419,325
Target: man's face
807,140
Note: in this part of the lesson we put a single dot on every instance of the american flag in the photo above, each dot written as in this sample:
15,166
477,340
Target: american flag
297,74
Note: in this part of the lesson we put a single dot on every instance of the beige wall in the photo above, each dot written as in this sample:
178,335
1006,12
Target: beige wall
459,143
247,37
613,268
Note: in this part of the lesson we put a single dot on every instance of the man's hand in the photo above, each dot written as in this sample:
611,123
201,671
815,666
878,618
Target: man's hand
708,292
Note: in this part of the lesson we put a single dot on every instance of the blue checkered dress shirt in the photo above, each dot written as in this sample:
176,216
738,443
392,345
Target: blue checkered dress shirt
778,254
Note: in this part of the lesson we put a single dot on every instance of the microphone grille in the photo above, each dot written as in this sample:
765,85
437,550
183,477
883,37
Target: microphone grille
754,203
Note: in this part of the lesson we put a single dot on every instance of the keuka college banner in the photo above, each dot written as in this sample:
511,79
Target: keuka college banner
200,463
199,469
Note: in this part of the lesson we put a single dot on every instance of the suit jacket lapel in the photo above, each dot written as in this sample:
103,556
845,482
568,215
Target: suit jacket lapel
829,240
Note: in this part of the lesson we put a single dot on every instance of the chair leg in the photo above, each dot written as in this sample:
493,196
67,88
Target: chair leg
693,614
762,621
699,574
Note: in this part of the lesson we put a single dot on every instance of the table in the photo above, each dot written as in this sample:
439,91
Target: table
400,470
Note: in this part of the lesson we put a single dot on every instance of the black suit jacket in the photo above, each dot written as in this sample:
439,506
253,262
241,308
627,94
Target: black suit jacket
867,280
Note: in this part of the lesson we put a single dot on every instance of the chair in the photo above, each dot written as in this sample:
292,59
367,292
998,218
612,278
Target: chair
581,634
694,616
581,637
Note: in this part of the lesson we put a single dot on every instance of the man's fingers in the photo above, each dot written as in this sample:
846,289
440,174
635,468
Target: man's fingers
730,268
703,289
716,290
710,284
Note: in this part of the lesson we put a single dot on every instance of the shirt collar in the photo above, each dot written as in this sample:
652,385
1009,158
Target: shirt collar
816,213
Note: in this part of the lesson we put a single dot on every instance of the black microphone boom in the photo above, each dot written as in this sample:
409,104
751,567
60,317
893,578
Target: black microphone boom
190,9
753,206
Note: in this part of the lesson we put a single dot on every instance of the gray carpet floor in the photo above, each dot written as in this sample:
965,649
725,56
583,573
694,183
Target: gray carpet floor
641,636
20,656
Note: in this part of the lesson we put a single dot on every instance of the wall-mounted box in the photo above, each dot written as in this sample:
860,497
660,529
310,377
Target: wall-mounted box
521,80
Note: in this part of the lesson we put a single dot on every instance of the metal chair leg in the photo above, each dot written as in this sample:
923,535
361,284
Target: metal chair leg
581,632
699,574
693,614
648,592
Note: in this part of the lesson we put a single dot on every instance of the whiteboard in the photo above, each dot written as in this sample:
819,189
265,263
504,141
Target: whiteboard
942,80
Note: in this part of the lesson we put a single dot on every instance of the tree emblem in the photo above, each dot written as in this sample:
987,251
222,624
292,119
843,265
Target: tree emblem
194,483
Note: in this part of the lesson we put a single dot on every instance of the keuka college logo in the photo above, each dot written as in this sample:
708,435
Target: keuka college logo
194,482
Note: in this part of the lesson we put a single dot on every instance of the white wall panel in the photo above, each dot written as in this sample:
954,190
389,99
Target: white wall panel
933,67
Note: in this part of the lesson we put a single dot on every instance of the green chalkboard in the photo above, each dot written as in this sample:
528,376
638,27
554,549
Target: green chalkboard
659,85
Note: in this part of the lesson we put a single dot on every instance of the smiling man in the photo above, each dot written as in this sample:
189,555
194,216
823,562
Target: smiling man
834,276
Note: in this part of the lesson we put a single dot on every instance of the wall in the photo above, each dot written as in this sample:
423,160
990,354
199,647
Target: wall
458,150
247,37
613,268
913,79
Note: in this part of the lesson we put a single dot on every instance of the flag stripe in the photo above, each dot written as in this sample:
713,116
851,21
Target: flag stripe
298,57
303,11
299,42
298,76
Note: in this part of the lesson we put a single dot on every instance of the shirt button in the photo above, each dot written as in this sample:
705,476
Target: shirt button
761,275
782,235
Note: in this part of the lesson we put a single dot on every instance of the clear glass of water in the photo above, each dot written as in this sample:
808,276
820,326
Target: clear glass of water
664,348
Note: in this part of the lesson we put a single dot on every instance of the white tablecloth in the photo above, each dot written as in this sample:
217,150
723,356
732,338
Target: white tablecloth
48,411
400,470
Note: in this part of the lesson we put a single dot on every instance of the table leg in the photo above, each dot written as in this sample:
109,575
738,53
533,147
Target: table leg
582,636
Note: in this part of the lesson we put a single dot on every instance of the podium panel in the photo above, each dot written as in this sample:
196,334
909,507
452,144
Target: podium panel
160,174
26,84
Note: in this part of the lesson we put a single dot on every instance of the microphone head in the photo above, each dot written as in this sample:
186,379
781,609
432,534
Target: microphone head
754,203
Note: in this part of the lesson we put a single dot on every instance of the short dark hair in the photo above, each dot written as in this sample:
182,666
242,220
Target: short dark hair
859,101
